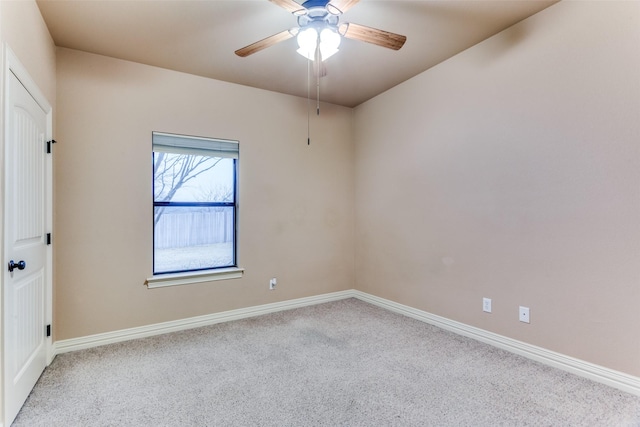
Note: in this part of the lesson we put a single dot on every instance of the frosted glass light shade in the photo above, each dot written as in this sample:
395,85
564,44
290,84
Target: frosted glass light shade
329,43
307,43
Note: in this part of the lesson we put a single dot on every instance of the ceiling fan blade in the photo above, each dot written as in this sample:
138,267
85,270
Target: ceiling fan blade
265,43
290,6
372,35
337,7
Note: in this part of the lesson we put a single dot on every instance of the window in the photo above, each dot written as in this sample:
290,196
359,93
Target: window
194,203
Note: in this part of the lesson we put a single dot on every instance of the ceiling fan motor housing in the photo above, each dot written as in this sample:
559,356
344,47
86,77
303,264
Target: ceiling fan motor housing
317,16
310,4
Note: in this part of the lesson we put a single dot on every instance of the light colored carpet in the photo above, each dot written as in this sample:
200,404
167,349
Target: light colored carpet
344,363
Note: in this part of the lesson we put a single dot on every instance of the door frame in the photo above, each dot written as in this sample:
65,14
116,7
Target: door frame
11,64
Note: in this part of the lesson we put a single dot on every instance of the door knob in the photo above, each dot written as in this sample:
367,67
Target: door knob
20,265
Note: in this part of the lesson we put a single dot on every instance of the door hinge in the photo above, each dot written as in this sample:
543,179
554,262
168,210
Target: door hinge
48,330
53,141
48,238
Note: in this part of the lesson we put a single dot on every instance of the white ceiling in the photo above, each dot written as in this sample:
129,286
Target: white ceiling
200,37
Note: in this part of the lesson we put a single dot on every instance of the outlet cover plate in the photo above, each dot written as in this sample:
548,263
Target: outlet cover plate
486,305
524,314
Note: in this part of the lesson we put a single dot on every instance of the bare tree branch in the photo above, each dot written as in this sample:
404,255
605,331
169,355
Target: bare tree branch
172,172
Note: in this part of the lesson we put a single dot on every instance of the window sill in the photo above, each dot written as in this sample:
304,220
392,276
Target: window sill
188,278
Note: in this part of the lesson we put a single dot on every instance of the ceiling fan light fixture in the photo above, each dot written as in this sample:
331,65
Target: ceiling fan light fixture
307,43
329,43
309,40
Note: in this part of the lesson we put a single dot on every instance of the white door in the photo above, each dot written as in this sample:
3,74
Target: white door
25,349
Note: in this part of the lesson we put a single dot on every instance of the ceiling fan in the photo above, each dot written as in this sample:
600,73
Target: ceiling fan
320,31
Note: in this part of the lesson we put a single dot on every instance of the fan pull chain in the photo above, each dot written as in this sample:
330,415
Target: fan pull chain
318,65
308,101
317,69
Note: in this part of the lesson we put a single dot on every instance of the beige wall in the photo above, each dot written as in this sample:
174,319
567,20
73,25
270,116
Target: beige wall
511,171
296,201
24,30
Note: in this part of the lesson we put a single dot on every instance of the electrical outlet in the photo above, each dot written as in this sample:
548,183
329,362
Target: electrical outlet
524,314
272,283
486,305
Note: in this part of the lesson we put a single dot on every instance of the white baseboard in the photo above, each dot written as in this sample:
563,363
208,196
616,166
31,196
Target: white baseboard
619,380
73,344
616,379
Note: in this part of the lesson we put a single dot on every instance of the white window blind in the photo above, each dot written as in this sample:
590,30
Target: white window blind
180,144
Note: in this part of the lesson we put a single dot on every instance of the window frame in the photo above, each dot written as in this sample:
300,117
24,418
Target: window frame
178,277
